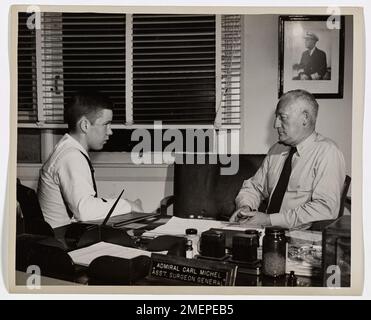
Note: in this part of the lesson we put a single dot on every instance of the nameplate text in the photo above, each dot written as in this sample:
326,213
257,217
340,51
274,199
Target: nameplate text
192,271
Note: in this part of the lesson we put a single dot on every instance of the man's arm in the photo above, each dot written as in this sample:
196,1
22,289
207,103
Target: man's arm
254,189
303,60
327,188
304,72
78,192
322,64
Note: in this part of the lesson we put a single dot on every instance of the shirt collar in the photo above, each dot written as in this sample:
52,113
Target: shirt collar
71,140
311,51
305,144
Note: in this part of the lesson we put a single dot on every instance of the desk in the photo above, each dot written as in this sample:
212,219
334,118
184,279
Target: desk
79,274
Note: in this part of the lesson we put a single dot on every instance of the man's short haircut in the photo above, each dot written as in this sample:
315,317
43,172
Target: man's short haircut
308,100
85,103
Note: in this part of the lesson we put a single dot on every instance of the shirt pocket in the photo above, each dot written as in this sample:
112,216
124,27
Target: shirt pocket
300,185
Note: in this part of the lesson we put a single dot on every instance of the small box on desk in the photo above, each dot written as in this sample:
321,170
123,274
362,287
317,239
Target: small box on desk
337,251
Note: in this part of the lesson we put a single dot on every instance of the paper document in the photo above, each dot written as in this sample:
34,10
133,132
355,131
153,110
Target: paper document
85,256
177,226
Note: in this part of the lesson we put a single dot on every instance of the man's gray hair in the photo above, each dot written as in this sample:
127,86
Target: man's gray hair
308,102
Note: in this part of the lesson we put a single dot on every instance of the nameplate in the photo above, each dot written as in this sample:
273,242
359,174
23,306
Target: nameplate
192,271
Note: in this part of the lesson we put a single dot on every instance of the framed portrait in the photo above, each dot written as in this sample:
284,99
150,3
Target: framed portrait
311,55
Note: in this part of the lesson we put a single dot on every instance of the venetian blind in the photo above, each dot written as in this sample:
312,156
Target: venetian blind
184,69
174,68
229,114
27,94
82,51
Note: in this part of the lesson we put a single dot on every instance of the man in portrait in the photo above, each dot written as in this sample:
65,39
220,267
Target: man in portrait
313,63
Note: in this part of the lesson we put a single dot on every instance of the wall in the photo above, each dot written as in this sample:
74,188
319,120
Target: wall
260,90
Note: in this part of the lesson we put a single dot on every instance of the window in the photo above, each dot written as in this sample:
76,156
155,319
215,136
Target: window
183,70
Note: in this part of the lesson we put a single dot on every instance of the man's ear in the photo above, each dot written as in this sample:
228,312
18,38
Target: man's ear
84,124
305,118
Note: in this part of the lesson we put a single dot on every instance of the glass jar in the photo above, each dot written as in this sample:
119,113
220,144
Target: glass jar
192,234
274,252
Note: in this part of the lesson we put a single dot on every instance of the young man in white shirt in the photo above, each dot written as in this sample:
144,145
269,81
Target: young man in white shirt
67,190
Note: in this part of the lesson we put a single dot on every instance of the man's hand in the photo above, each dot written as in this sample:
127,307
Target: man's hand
136,205
242,213
259,219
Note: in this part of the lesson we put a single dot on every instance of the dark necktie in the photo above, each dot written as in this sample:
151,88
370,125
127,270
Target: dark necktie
92,173
279,191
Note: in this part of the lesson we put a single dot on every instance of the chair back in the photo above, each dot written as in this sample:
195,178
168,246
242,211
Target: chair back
34,222
201,189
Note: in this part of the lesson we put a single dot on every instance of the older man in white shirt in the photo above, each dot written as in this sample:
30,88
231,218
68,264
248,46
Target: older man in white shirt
302,175
67,190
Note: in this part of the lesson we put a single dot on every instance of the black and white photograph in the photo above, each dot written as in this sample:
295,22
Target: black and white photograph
157,150
312,54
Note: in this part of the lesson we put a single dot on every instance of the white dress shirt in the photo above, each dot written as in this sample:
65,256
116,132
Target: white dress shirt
314,189
66,180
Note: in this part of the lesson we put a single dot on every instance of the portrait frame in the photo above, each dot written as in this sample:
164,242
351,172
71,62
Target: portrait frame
297,61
